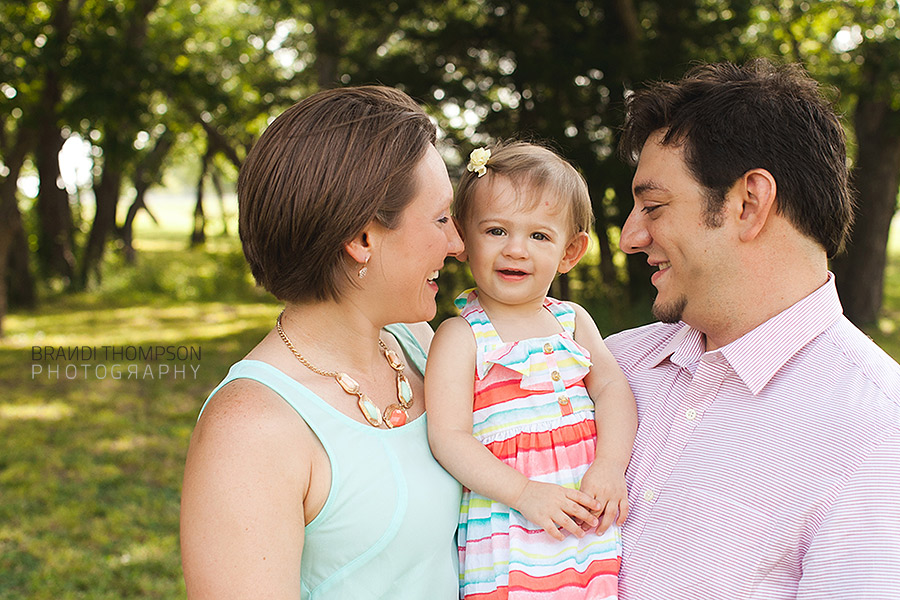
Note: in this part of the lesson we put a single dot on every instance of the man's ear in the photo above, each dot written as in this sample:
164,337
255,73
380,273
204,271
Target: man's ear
757,190
576,249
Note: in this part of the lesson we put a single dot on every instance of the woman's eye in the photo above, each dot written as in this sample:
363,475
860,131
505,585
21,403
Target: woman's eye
444,220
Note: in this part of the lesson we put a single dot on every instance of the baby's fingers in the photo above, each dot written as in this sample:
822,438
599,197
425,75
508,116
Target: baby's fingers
584,500
609,513
569,525
623,511
553,530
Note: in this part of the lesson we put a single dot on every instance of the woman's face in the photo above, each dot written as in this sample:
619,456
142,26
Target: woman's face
412,254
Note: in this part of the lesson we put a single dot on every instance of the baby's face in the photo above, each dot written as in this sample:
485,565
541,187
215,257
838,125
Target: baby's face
516,240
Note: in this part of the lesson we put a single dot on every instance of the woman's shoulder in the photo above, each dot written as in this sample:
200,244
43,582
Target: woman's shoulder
247,413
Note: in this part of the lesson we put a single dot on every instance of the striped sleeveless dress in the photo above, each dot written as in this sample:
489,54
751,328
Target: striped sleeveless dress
532,411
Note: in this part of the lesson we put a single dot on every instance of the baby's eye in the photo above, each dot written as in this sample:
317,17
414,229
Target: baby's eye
495,231
539,236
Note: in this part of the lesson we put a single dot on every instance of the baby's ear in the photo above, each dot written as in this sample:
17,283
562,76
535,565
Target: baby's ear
576,249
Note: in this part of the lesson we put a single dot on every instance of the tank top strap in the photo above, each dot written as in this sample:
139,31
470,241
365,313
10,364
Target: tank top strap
410,345
318,414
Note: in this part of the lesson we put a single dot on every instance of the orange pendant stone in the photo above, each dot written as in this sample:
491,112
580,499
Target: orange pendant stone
395,416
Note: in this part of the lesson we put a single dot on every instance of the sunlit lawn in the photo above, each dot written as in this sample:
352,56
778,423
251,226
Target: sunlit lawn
90,465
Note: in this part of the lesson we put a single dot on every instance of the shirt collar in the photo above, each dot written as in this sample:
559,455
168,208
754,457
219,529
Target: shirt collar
760,353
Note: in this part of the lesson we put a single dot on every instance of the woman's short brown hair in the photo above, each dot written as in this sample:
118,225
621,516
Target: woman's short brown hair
528,164
323,170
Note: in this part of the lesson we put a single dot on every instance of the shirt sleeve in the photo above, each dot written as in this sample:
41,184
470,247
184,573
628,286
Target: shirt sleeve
856,551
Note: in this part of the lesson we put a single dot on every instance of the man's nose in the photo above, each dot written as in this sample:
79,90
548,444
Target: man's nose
635,236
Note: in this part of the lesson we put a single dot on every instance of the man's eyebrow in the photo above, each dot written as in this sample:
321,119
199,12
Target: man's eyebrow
647,186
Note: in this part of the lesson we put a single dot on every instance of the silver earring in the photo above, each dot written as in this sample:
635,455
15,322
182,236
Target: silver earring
365,268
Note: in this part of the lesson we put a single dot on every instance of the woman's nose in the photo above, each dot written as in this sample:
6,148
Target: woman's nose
455,245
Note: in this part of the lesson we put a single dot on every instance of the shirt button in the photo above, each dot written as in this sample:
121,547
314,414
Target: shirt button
548,349
690,414
563,400
649,495
555,376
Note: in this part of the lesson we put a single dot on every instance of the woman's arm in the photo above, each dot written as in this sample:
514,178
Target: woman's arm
449,403
246,477
615,413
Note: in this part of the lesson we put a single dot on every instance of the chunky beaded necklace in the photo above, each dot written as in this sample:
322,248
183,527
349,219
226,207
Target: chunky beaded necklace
394,415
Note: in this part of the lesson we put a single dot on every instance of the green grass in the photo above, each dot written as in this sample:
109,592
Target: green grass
90,467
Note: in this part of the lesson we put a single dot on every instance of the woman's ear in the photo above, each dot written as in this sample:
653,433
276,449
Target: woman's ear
576,249
758,190
360,247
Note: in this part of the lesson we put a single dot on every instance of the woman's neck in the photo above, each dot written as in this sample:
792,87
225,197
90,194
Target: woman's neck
333,332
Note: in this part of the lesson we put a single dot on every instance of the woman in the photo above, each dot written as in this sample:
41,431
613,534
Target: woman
309,473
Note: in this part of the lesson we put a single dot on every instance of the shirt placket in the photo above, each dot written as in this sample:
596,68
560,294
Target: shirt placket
684,414
559,385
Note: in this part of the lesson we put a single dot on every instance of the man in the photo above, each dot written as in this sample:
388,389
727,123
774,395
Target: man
767,459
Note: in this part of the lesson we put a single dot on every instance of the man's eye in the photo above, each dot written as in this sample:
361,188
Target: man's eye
650,209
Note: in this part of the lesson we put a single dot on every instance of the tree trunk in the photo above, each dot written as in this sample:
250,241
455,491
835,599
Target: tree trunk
146,173
876,176
106,194
10,217
329,48
54,214
216,179
21,287
198,236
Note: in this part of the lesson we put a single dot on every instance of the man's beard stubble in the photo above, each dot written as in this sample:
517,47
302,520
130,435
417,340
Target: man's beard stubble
669,313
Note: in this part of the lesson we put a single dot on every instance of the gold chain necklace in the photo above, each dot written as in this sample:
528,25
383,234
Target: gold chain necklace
394,415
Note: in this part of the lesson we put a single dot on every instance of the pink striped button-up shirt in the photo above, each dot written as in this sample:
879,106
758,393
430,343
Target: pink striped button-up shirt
769,468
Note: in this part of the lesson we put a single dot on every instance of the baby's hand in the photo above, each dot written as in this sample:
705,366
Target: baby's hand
606,484
553,507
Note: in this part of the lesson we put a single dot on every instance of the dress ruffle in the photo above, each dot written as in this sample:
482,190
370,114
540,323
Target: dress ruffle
527,357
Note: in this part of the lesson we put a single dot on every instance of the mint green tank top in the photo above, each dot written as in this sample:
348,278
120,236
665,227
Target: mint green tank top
388,527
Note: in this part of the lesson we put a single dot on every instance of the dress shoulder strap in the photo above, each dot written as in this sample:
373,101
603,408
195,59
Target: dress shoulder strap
563,312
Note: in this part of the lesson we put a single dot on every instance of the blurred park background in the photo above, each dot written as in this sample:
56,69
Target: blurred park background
123,124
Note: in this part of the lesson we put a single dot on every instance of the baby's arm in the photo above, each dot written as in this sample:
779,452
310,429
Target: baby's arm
449,400
616,416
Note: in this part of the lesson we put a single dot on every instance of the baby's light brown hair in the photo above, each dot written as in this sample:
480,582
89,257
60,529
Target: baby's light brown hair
529,165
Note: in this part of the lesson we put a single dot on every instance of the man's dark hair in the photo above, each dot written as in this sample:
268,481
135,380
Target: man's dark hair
731,119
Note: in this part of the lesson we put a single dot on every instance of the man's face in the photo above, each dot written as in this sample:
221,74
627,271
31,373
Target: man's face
669,223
